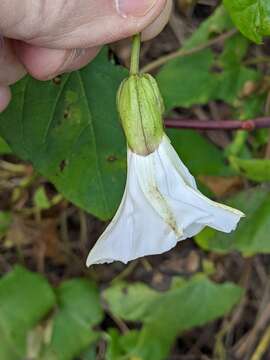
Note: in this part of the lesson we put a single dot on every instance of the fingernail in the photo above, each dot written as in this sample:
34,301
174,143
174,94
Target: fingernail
135,8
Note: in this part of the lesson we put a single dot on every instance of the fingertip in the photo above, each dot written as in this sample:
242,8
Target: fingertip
5,97
158,25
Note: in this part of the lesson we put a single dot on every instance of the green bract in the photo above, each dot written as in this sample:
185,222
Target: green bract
140,106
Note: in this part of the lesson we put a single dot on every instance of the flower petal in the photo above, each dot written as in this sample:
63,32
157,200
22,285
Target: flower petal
161,205
136,230
187,208
189,204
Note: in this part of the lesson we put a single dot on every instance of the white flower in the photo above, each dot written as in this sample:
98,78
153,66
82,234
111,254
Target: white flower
161,206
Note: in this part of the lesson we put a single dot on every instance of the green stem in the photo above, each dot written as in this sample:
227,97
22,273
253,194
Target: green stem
135,54
237,144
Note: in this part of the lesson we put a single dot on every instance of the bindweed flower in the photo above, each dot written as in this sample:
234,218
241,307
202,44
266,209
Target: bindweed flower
161,203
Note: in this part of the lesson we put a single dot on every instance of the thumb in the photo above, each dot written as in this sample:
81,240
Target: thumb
68,24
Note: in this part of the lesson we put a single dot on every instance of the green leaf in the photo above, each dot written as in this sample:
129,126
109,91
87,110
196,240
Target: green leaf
235,49
90,354
69,130
134,302
165,315
205,75
119,345
72,328
41,200
194,72
25,298
196,152
252,17
254,169
252,107
5,222
252,233
4,148
231,82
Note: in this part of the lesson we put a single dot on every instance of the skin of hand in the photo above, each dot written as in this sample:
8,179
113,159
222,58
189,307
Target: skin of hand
47,38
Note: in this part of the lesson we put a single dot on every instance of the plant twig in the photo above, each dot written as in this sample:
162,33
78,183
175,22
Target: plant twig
229,324
263,345
119,322
248,125
181,52
257,60
126,272
248,341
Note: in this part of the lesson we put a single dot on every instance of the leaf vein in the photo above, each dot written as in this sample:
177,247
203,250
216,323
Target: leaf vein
91,127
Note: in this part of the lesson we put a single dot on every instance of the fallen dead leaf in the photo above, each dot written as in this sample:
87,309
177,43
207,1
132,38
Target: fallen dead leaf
222,186
42,236
188,264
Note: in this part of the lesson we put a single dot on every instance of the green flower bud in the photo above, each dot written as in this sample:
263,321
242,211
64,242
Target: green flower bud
140,106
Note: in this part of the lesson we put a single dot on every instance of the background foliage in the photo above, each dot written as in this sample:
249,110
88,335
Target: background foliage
199,300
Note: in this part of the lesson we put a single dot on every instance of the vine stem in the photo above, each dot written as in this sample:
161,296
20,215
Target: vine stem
248,125
181,52
135,54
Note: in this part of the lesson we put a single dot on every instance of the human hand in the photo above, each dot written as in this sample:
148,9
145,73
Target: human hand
52,37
